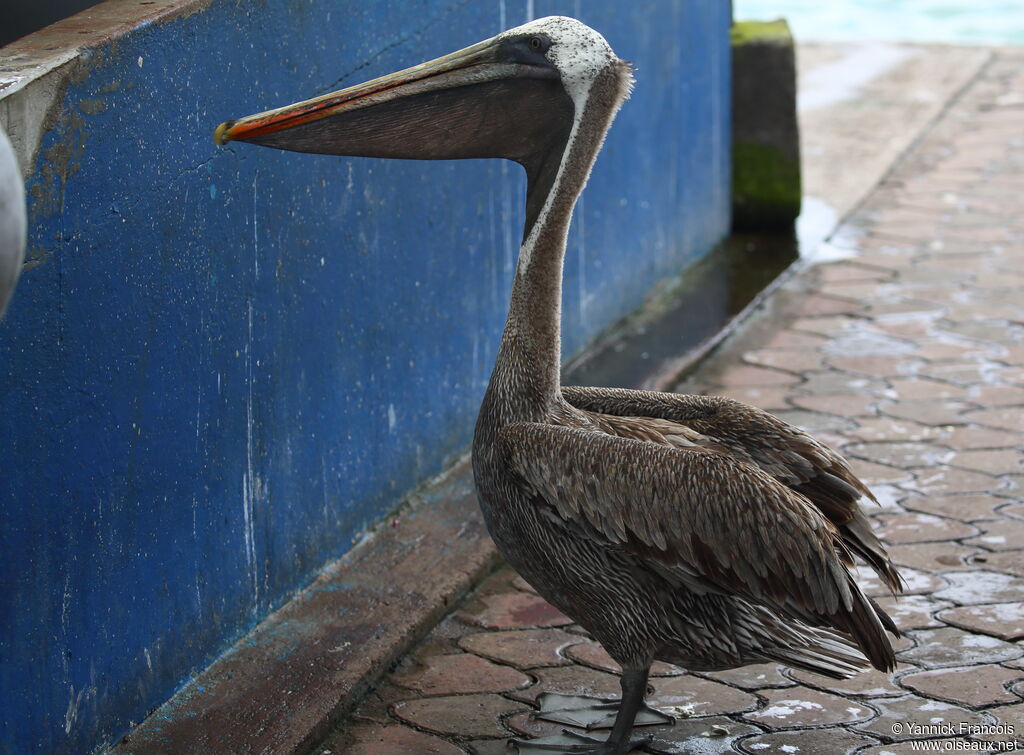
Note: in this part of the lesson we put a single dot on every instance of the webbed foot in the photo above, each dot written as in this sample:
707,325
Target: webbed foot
592,712
571,742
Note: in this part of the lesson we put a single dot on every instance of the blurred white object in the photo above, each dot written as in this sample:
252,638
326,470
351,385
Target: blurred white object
12,221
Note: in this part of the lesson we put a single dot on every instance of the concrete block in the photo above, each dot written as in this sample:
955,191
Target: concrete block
766,188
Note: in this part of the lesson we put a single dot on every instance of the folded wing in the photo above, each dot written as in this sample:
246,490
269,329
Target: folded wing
787,453
703,512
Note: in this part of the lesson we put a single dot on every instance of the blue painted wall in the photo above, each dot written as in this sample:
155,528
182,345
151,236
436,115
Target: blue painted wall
222,365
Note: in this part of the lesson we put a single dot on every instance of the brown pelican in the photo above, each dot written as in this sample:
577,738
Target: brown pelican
689,529
12,221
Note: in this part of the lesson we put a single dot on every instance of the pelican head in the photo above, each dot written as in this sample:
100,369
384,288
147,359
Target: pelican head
519,95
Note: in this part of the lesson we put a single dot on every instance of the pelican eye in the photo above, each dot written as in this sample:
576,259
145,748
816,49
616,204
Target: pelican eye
536,43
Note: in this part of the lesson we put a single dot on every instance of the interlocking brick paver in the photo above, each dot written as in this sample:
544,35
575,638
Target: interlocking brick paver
1005,535
876,474
858,291
707,736
788,360
929,411
824,326
845,405
997,395
1012,510
868,684
947,480
873,366
1012,485
695,696
391,740
458,715
899,718
1002,461
940,556
902,454
910,389
981,437
949,646
942,744
816,304
851,270
1010,722
460,673
528,725
866,341
914,611
770,399
838,382
890,429
938,350
970,507
1009,563
757,676
816,423
593,655
889,500
974,686
909,355
913,328
906,307
572,680
488,747
915,582
514,610
913,527
525,648
833,741
800,706
794,339
745,375
958,372
977,587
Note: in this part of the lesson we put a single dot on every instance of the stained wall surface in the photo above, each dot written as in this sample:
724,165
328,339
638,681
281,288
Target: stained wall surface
221,366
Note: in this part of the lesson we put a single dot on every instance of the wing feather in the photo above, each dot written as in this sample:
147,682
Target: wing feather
730,522
787,453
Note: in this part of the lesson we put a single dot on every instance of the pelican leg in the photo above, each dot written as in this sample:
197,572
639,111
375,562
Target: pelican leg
634,687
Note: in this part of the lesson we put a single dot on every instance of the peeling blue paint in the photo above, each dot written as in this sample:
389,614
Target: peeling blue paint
223,365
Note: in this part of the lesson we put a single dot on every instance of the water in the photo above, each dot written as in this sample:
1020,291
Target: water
969,22
691,315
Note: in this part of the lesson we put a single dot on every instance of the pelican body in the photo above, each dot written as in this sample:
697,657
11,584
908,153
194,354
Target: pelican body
689,529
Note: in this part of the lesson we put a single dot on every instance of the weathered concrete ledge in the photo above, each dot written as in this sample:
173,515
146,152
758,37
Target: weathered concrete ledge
35,70
281,687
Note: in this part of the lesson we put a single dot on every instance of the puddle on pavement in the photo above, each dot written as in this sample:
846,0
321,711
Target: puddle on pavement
678,323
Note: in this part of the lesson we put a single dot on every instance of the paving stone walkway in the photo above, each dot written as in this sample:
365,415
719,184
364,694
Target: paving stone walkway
907,353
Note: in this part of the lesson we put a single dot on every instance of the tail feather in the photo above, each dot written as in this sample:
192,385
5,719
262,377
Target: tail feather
830,655
866,624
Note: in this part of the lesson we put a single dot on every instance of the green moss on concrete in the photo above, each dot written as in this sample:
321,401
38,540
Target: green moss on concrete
745,32
766,189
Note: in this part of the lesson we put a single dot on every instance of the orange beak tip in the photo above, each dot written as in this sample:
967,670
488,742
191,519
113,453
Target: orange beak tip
221,135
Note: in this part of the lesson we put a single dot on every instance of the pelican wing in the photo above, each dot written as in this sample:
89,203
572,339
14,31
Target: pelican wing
787,453
703,512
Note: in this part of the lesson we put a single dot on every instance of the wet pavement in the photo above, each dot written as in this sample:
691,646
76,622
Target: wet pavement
906,352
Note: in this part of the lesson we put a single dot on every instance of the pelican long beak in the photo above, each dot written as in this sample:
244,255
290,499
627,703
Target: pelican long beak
416,113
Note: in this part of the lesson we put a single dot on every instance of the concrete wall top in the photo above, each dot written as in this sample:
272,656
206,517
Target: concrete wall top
222,365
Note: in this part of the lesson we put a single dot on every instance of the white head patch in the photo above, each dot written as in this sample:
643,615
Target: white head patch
580,54
577,51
